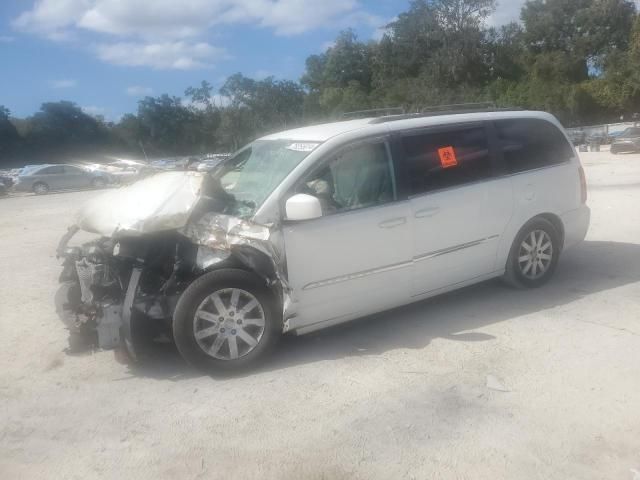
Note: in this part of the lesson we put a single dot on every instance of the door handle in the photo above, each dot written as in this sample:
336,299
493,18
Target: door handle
393,222
427,212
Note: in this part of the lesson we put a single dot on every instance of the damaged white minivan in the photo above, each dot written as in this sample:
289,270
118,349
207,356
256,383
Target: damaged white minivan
312,227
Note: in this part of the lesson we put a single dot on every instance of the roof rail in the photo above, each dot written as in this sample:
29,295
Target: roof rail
445,110
374,112
459,106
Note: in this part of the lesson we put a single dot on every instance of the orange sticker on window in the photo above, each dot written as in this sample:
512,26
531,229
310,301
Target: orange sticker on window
447,157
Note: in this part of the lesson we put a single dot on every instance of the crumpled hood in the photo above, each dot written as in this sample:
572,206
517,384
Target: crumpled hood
161,202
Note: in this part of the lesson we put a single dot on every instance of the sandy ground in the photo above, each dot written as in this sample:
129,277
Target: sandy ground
482,383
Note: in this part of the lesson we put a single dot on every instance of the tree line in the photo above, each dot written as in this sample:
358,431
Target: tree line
579,59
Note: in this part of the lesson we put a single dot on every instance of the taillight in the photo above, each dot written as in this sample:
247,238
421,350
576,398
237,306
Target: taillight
583,186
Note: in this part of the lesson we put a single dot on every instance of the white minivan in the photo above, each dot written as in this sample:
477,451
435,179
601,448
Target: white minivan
316,226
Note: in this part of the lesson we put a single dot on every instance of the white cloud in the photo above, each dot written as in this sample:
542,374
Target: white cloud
171,19
382,29
139,91
168,55
151,20
51,18
93,110
292,17
262,74
327,45
64,83
168,33
506,11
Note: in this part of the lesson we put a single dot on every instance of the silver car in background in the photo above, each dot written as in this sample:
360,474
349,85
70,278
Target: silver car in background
627,141
41,179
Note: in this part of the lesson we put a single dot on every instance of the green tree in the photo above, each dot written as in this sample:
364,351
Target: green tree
167,126
62,129
10,139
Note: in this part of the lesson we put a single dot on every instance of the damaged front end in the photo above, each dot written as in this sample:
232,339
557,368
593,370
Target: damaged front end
155,238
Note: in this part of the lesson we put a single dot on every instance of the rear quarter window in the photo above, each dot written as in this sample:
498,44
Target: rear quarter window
447,158
530,143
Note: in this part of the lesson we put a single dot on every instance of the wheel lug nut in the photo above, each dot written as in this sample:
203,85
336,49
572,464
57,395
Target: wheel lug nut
233,332
239,322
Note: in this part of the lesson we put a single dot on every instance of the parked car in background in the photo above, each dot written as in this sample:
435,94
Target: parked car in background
41,179
577,137
627,141
174,163
6,179
211,161
123,172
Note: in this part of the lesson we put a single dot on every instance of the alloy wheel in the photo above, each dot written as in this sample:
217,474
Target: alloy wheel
535,254
229,324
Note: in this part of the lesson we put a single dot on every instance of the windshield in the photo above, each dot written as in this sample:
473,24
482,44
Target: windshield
631,132
30,169
254,172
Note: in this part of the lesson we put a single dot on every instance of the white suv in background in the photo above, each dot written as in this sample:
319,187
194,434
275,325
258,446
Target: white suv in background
312,227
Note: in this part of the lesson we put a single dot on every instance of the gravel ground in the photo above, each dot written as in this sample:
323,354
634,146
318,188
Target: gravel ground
482,383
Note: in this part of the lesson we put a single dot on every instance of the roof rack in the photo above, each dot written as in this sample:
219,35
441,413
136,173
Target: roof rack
374,112
438,110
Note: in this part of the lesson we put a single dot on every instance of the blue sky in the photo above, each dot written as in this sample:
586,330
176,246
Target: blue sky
107,54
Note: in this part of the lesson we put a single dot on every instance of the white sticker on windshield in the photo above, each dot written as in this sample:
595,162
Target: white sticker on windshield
302,147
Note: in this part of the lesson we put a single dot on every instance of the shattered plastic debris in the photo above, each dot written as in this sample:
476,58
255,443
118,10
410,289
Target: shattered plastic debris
494,384
219,231
222,233
161,202
167,201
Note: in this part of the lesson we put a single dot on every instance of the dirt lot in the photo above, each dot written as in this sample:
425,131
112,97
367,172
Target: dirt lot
483,383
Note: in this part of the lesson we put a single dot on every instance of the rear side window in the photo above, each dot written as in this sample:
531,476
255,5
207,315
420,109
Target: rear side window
446,159
530,143
73,170
51,170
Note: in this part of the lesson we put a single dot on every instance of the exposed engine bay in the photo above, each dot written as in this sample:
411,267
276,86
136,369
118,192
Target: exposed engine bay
156,237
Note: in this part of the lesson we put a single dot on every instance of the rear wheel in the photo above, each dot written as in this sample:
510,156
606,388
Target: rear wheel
41,188
534,255
226,320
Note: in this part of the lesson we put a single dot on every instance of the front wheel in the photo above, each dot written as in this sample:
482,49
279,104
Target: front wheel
41,188
226,320
534,255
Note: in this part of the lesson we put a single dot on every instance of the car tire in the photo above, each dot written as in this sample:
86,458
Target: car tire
40,188
534,255
98,182
226,337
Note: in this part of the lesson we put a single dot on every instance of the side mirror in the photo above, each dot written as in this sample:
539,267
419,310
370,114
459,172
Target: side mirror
303,207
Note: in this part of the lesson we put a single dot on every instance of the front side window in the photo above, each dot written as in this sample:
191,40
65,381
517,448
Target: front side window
359,177
51,170
444,159
243,182
529,143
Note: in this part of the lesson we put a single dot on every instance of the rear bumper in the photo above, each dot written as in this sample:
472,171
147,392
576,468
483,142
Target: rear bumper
576,224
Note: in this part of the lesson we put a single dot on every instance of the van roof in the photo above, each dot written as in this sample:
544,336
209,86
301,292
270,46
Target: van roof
323,132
